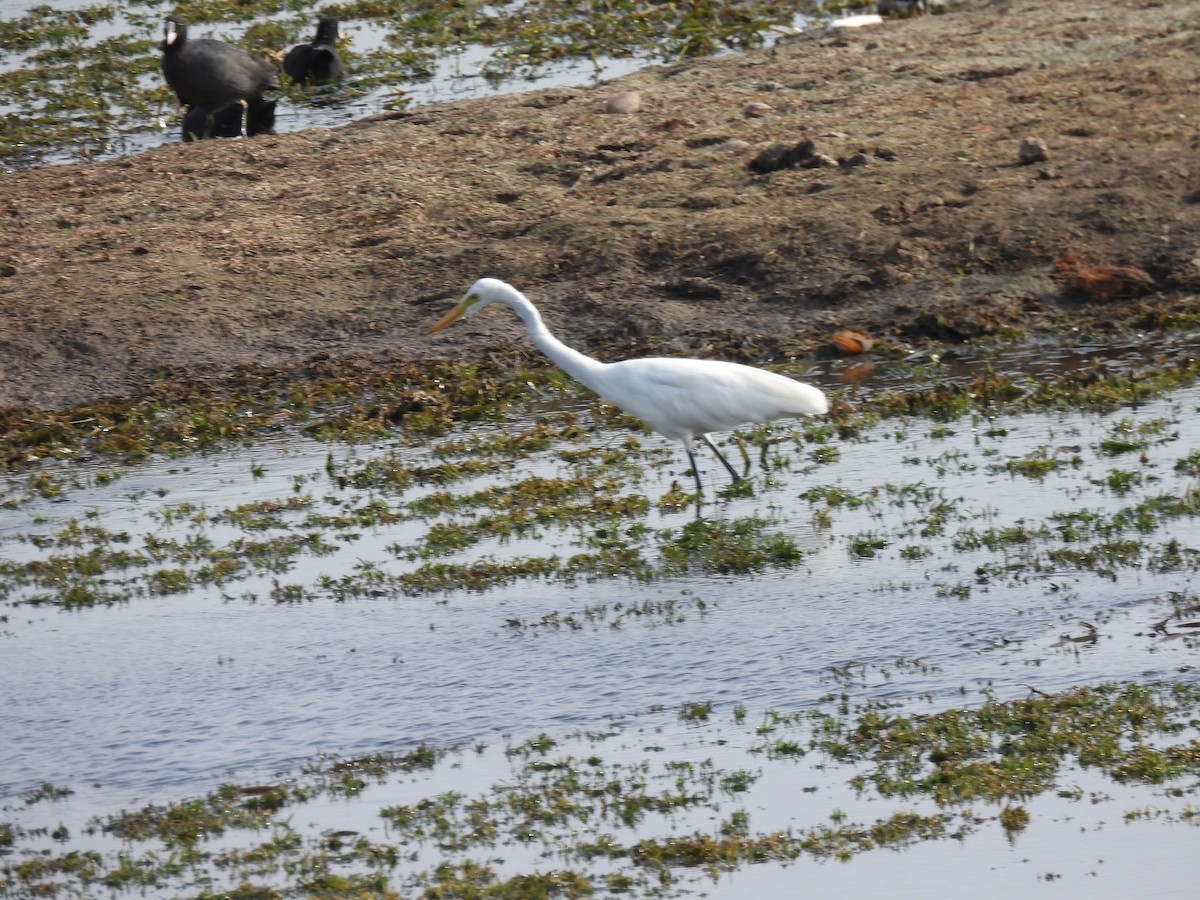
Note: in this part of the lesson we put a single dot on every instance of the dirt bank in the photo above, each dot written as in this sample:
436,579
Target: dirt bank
646,231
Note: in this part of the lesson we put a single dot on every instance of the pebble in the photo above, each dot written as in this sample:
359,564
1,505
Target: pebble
1032,150
623,103
756,109
733,145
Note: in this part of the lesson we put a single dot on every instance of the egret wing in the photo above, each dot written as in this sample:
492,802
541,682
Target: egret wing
682,398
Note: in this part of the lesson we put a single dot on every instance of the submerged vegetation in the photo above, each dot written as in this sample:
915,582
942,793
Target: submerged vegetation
406,496
181,418
602,821
462,489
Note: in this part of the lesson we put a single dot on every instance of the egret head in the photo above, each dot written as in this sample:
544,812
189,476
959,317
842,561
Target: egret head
484,292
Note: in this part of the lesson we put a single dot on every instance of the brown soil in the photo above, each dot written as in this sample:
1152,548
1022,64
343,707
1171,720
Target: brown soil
645,232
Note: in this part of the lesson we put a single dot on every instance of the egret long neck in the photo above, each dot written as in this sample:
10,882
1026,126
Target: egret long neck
582,368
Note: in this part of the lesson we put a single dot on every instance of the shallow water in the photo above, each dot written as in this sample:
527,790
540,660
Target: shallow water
164,697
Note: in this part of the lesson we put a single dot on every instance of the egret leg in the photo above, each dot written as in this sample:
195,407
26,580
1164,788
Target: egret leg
245,116
724,461
695,469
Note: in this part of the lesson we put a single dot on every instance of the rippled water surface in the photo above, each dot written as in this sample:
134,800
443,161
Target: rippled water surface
162,697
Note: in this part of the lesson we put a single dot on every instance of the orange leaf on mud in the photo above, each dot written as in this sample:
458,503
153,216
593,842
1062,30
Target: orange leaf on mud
1102,282
850,341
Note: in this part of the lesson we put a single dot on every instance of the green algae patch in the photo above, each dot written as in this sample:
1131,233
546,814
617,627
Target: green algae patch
1016,749
180,417
727,547
437,478
625,823
423,402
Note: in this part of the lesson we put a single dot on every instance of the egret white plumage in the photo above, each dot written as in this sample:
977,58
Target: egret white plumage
682,399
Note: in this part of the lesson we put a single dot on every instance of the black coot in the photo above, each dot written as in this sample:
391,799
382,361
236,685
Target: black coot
212,74
316,62
227,122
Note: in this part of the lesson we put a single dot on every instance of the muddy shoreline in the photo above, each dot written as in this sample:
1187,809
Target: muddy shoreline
649,231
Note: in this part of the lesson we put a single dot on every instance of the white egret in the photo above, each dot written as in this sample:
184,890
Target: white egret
681,399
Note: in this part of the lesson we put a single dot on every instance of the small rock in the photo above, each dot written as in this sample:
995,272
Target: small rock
1032,150
734,145
692,288
908,253
756,109
858,159
885,153
769,86
782,156
623,103
770,160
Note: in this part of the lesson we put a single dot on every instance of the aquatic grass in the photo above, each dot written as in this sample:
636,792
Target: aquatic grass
617,822
262,515
1121,481
181,418
1189,464
102,574
1097,388
835,496
725,547
1014,749
186,824
588,507
1039,463
696,712
47,792
866,546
